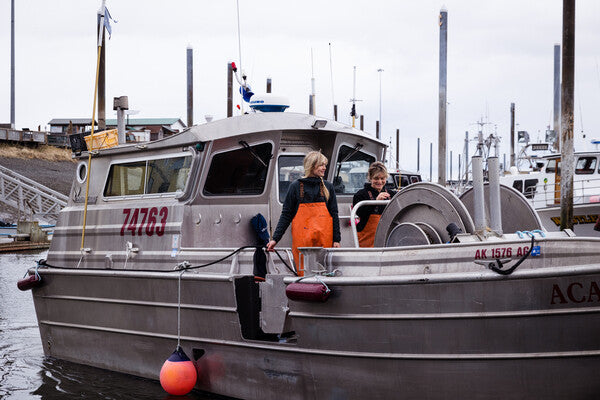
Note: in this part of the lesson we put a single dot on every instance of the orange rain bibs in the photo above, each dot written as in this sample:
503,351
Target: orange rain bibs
366,237
311,227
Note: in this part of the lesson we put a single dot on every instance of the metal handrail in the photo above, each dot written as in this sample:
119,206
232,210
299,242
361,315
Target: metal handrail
582,191
353,215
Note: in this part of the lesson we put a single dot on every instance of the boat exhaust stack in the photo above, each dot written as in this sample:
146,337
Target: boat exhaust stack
479,210
120,105
494,195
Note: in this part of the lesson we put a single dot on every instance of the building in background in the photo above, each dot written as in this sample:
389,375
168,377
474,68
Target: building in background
140,129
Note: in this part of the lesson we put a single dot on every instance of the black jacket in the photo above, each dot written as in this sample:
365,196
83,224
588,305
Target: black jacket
365,211
312,189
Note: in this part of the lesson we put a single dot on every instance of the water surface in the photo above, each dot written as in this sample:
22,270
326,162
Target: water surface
25,373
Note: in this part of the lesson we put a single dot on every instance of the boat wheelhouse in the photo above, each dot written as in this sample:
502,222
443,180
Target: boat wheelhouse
542,188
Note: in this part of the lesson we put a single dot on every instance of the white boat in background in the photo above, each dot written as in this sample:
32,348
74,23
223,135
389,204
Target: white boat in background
542,188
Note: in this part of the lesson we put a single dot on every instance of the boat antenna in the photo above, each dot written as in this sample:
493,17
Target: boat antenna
240,50
312,85
354,100
580,114
331,74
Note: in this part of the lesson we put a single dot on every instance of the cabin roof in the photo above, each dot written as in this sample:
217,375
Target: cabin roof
576,153
242,125
262,122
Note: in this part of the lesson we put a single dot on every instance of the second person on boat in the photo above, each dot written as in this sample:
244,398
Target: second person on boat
311,207
370,215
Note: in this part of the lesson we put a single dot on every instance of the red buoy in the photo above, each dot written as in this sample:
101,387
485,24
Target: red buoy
178,374
29,282
298,291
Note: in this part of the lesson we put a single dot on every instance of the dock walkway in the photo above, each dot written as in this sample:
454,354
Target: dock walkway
30,196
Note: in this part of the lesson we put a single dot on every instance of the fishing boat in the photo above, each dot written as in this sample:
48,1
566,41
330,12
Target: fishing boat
444,306
542,187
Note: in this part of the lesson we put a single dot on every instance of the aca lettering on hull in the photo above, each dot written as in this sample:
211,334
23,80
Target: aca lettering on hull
575,293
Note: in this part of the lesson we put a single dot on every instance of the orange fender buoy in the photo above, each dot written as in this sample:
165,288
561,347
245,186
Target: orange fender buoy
178,374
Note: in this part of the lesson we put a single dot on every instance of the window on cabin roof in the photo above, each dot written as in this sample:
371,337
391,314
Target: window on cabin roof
585,165
239,172
157,176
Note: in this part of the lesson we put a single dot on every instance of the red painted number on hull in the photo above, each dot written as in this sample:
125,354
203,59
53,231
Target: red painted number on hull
145,220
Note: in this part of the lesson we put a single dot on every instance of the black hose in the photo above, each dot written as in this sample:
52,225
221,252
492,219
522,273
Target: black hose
512,269
293,271
44,263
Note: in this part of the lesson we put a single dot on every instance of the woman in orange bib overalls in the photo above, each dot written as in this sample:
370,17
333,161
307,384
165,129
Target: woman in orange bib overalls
311,207
370,215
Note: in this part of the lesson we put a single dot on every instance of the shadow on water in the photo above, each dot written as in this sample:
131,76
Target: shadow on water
66,380
25,373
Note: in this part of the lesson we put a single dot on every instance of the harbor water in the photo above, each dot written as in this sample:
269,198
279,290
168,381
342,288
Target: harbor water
25,373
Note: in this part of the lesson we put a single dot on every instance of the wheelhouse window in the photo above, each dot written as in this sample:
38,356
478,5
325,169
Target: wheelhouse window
290,168
530,188
351,170
518,185
240,172
551,167
159,176
404,182
585,165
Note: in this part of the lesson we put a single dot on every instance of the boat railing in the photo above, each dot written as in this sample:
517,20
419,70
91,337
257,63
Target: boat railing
549,194
353,215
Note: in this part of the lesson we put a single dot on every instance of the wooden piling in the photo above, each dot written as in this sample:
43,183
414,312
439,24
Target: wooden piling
567,96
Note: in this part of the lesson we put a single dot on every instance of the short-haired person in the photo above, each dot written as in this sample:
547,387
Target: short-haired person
311,207
370,215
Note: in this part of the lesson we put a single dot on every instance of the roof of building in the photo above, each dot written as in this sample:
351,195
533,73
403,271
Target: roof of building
75,121
146,121
113,121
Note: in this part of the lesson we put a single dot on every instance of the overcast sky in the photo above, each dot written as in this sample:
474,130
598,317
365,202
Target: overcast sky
498,52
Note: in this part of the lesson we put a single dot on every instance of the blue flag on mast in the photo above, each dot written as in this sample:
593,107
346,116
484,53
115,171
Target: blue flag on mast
107,18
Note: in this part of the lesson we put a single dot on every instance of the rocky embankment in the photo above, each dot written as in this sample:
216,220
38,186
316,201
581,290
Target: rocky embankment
57,175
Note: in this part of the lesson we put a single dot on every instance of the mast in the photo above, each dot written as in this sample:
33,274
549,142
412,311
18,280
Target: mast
442,94
353,100
12,64
311,99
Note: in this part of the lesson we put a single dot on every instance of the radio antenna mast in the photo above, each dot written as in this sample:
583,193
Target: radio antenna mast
240,50
331,74
354,100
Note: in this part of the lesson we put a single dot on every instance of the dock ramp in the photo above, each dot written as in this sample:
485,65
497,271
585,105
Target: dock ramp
30,196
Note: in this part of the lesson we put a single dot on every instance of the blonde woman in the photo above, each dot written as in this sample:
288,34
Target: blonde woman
311,207
370,215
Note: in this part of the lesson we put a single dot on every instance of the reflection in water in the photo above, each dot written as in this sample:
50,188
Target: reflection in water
24,371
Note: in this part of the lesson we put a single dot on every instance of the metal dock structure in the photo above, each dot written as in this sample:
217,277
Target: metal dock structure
30,196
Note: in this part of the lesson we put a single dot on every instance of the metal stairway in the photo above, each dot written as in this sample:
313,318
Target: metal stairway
30,197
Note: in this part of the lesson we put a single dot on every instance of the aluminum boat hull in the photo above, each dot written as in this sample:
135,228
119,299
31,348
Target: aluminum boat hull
452,334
